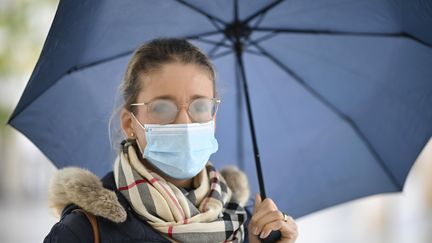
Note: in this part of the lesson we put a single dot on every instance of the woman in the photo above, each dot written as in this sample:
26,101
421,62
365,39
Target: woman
162,187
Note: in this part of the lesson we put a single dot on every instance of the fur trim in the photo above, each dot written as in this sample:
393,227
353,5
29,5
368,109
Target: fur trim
83,188
238,183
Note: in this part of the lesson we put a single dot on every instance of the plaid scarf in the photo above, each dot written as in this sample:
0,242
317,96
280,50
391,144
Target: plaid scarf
204,214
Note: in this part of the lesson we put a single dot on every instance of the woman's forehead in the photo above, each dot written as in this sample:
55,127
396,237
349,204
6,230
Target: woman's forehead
177,81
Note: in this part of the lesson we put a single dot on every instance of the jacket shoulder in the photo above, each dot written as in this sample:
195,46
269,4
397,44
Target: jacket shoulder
72,227
74,188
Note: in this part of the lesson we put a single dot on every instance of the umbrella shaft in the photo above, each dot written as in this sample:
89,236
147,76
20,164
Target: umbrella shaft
239,58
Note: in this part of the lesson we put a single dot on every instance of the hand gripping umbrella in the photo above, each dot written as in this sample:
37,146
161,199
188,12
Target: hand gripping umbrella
335,96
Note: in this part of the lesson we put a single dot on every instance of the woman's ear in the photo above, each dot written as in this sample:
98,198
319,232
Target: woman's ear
126,123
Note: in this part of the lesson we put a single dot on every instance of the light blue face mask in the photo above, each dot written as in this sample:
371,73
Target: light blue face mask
180,151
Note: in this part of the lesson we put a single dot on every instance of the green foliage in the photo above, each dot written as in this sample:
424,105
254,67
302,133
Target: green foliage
24,25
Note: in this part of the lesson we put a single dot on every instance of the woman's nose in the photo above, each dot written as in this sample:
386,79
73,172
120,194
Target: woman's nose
183,116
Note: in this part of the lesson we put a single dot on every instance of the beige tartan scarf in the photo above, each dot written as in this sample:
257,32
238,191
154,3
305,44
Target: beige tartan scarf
204,214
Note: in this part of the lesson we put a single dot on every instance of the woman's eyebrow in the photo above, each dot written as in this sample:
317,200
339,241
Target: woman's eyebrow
198,96
163,97
173,97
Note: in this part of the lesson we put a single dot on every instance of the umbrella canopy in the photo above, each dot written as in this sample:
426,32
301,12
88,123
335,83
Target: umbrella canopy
334,94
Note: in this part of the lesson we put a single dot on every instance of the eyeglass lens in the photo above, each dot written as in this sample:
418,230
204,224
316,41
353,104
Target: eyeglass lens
165,111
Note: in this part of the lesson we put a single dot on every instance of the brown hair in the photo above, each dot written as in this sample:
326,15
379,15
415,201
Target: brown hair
151,56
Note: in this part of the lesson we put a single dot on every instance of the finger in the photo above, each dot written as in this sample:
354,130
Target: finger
266,207
290,219
289,231
257,202
266,219
269,227
263,208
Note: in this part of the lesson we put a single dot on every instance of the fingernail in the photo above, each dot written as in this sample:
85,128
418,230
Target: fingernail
255,231
263,235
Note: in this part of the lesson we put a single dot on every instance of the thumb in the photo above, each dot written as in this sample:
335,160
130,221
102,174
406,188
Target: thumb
257,202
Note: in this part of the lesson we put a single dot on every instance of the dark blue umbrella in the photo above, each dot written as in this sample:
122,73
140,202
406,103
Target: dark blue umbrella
334,97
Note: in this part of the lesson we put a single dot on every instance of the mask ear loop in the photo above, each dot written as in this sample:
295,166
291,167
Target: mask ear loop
139,123
136,139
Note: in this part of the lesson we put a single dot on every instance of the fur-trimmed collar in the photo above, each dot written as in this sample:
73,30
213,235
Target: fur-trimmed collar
83,188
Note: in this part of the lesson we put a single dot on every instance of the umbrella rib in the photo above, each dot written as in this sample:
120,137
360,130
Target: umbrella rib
217,46
213,19
221,54
261,17
83,66
74,69
98,62
196,36
341,33
336,110
217,43
262,11
254,52
265,37
87,65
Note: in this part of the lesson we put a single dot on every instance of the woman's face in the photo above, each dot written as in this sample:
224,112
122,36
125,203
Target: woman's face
176,81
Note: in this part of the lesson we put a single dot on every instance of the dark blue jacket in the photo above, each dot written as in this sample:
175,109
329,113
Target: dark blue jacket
74,227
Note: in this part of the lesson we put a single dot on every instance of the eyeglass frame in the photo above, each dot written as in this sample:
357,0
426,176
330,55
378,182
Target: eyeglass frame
218,101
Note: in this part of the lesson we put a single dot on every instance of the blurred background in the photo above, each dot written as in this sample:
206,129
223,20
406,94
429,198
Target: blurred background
25,172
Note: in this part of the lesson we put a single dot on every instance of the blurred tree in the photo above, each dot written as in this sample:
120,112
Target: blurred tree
24,25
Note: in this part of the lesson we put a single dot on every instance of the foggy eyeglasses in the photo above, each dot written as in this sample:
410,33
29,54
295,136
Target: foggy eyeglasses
165,111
